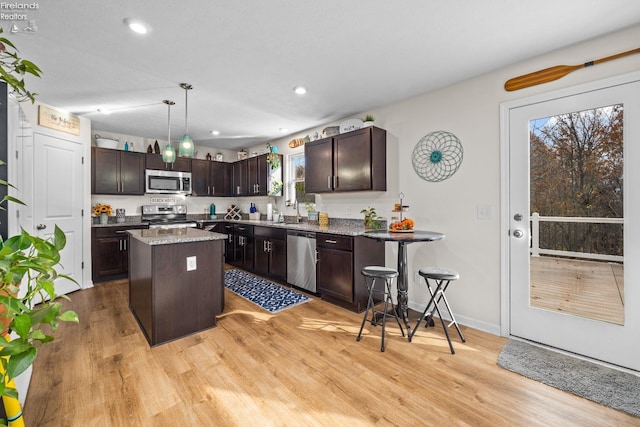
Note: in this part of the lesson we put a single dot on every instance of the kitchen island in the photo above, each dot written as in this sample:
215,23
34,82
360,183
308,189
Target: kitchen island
176,281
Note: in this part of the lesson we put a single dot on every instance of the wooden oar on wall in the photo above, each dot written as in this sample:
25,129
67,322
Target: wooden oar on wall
557,72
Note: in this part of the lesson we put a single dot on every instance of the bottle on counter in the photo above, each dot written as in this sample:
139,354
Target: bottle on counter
126,146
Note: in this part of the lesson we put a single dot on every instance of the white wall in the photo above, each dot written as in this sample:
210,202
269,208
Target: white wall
470,110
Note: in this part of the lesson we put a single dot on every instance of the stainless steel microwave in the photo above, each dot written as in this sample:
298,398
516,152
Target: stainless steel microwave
167,182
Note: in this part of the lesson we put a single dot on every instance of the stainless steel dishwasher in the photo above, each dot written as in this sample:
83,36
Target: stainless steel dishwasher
301,259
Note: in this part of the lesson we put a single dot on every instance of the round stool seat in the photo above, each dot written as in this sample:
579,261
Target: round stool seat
379,271
437,273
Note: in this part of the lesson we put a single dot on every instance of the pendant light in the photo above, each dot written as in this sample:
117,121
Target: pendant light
168,153
186,147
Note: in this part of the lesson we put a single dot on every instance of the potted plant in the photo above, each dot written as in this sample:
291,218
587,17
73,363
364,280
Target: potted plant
272,157
27,266
368,120
371,219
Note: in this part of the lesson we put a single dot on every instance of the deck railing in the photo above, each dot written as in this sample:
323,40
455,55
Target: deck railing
577,237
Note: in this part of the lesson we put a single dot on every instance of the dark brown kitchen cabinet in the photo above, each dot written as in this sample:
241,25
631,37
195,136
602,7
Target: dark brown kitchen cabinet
270,245
243,245
352,161
257,175
210,178
228,244
117,172
110,252
254,176
339,263
154,161
240,177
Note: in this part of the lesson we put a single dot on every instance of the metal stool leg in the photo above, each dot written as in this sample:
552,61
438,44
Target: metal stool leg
424,313
446,330
453,319
393,306
370,306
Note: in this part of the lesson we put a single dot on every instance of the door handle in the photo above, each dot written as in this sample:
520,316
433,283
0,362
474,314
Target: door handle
329,181
518,233
41,227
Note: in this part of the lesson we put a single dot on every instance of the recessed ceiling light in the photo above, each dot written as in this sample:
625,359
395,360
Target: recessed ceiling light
137,26
215,132
300,90
104,111
284,130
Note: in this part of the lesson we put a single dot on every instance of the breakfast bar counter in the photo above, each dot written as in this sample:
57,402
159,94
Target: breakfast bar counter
176,281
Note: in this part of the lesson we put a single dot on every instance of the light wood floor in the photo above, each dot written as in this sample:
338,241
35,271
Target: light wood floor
300,367
584,288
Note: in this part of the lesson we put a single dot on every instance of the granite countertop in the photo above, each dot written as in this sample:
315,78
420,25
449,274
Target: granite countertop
345,227
169,236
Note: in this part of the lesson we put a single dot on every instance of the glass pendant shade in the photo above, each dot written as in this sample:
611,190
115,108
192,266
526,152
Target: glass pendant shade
187,147
168,154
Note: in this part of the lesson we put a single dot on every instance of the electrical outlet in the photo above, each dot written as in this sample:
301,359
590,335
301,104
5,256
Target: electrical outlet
191,263
347,211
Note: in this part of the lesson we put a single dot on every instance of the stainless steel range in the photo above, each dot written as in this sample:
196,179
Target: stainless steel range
166,216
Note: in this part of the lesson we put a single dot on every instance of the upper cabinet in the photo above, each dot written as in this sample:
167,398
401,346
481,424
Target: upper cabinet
256,177
352,161
154,161
117,172
210,178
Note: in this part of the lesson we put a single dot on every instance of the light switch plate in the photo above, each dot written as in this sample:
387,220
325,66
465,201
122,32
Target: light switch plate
191,263
484,212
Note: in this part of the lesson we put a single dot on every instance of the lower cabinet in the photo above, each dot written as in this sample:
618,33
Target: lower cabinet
340,261
110,252
270,248
243,246
228,244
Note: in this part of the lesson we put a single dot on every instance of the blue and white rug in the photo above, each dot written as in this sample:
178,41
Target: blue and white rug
268,295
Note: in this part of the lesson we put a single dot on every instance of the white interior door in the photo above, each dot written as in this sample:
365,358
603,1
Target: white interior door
57,200
613,342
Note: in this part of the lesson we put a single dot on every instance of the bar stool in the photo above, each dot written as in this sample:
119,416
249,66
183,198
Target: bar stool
442,277
383,295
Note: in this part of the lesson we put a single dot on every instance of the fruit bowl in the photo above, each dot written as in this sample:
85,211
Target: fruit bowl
404,226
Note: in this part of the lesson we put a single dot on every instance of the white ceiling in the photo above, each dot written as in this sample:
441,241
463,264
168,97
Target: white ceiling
243,57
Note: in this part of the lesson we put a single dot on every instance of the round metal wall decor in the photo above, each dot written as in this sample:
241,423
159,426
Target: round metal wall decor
437,156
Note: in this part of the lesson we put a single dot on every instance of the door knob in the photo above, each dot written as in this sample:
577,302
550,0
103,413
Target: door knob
41,226
518,233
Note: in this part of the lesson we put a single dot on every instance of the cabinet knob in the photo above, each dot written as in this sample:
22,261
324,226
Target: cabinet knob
41,227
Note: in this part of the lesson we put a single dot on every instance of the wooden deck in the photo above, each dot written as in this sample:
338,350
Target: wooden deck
591,289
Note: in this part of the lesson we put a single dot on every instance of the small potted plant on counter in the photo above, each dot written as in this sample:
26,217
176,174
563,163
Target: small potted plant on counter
371,219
